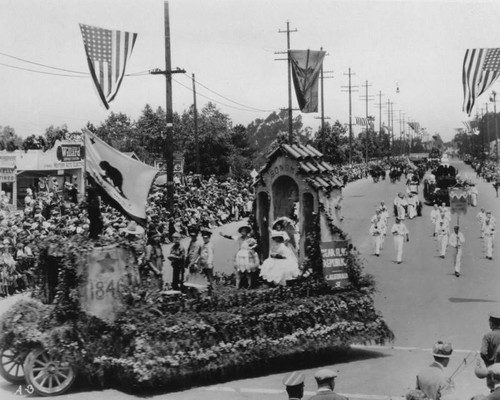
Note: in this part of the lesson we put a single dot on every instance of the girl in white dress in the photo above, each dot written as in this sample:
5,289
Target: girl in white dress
282,264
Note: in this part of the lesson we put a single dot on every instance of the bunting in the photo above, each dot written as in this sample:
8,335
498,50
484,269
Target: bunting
306,66
481,69
108,52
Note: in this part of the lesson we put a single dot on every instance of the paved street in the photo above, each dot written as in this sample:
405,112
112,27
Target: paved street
421,300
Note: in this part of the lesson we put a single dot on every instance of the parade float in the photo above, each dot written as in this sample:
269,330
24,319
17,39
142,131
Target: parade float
93,319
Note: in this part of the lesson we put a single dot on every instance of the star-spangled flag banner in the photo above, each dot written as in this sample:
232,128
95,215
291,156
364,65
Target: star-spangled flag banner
306,66
124,182
480,70
108,52
361,121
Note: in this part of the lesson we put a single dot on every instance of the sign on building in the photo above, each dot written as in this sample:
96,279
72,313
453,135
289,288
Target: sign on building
334,256
69,152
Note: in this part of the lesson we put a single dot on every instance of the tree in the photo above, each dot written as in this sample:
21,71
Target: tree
8,139
335,143
118,131
52,134
34,143
262,134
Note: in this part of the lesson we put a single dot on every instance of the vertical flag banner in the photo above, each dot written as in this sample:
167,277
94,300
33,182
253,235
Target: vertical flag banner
480,70
415,126
125,182
306,66
107,54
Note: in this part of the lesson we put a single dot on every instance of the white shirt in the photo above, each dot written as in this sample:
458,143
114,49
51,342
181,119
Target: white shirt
456,239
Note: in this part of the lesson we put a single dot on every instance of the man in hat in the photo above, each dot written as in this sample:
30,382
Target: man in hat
490,344
193,250
400,233
457,241
294,384
177,259
432,380
443,234
488,232
494,378
325,379
377,230
481,216
207,256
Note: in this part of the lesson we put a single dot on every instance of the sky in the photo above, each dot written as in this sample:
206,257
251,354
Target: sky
230,46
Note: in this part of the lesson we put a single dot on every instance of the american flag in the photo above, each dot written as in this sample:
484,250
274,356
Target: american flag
107,54
480,70
415,126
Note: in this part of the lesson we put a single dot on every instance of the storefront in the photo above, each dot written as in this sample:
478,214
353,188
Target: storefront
8,179
43,170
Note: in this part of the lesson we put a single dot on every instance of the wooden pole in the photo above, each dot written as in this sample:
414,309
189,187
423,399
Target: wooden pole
196,139
169,135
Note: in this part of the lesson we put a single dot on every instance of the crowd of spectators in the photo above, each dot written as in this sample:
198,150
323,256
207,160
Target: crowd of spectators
205,203
489,170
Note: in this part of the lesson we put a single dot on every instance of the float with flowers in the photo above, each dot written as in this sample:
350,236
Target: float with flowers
104,320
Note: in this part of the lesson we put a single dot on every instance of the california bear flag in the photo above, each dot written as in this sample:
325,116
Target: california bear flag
125,182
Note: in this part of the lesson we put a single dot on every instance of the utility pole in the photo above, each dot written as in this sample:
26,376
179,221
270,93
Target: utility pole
392,121
195,116
389,124
488,130
289,63
168,147
323,105
350,111
494,96
367,98
379,105
401,149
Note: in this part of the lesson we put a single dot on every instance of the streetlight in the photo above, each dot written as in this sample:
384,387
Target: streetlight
493,99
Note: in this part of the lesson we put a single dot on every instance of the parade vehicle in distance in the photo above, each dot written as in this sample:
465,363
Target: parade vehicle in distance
437,185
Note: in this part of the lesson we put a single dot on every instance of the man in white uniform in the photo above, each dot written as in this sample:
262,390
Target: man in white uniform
457,240
434,217
399,232
488,230
377,230
481,216
443,233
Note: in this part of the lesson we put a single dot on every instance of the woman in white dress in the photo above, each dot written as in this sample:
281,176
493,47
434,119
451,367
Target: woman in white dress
282,264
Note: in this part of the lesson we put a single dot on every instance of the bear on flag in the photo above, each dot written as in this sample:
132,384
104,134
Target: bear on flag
124,182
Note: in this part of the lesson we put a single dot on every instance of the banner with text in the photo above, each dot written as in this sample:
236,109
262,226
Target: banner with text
334,255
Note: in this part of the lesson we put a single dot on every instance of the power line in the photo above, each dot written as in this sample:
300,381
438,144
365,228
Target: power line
42,72
211,99
227,98
42,65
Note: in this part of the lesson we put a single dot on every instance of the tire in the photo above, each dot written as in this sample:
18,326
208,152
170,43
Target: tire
49,376
12,366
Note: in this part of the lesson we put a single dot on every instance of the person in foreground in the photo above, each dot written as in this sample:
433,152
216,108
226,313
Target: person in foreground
294,385
325,378
432,379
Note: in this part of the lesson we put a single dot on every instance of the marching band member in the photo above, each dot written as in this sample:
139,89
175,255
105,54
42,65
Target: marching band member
377,230
443,235
457,241
399,231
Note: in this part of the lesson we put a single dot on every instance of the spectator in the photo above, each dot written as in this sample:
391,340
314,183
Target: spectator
294,384
432,380
325,378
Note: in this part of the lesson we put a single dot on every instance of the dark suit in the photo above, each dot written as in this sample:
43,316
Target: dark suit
327,395
495,395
